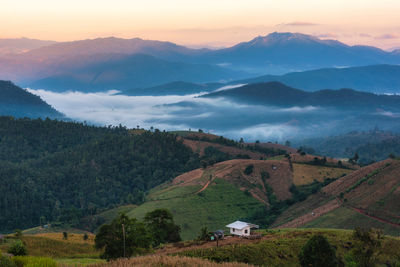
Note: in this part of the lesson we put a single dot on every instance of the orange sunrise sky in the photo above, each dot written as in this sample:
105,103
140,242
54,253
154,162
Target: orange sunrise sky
211,23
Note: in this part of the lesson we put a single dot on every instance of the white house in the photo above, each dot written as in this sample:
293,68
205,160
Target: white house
241,228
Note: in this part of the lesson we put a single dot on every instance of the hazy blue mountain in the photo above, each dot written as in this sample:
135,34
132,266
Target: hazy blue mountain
17,102
65,56
279,53
276,53
112,45
278,94
21,45
174,88
374,78
134,71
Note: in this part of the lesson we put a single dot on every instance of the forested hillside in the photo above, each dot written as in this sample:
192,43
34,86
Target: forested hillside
15,101
373,145
60,171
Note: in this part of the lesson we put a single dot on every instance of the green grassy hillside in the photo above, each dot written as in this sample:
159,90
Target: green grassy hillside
219,204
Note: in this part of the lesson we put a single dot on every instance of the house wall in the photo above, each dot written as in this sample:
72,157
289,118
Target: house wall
240,232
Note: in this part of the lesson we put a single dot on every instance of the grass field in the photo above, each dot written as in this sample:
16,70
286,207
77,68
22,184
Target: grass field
345,218
168,261
220,204
281,248
78,262
306,174
52,247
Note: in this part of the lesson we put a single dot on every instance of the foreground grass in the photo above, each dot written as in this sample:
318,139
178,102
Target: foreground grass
78,262
281,247
52,247
170,261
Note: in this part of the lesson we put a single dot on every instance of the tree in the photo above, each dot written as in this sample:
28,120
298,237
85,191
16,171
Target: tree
122,237
160,223
18,249
318,252
204,234
367,241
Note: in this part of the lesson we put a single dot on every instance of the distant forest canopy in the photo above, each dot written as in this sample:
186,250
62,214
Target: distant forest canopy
59,172
17,102
371,146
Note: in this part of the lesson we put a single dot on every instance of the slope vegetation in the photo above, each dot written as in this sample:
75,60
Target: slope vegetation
368,196
234,189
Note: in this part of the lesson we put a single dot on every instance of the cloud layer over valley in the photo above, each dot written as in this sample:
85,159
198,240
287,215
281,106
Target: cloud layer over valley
217,115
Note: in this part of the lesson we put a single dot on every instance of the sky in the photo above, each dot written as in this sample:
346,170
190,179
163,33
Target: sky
197,23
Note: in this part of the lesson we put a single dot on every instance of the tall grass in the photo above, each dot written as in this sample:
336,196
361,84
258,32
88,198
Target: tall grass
28,261
170,261
47,247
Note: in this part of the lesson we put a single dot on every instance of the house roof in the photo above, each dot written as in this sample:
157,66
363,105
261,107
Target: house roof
241,225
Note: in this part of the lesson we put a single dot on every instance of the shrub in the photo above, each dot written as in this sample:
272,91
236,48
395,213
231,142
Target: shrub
17,249
85,237
65,235
318,252
249,169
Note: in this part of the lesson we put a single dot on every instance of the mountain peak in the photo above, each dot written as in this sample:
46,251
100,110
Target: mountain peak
284,38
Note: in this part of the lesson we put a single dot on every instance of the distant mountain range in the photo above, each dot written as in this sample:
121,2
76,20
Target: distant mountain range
276,53
279,53
374,78
21,45
134,71
378,79
278,94
16,102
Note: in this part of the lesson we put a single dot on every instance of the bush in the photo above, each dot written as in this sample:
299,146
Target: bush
249,169
366,245
25,261
318,252
17,249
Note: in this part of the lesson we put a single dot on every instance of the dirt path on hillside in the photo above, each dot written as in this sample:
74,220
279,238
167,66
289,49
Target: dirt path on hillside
363,212
312,215
204,187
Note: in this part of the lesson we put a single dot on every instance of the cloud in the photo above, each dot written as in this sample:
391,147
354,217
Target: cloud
218,115
387,36
228,87
266,132
110,109
298,24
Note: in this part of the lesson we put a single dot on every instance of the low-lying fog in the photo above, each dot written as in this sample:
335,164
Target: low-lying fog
219,116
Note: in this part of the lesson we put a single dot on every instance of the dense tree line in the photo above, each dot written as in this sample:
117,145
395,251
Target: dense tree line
62,171
126,237
373,145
